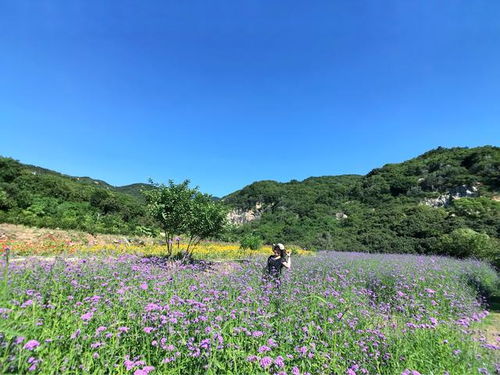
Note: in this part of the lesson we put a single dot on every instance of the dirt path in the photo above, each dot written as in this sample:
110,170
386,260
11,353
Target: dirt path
492,322
44,258
492,328
21,233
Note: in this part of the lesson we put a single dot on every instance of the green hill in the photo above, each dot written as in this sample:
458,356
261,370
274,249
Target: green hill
444,201
134,190
37,196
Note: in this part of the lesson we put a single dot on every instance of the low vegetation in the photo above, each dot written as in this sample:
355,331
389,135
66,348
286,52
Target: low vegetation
24,242
334,313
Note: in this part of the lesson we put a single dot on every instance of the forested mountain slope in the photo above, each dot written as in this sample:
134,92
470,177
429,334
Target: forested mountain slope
444,201
36,196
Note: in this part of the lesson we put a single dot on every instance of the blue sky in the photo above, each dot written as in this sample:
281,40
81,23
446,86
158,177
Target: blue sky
230,92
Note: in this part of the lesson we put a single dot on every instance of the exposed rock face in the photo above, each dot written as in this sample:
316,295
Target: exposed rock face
240,217
340,216
441,201
458,192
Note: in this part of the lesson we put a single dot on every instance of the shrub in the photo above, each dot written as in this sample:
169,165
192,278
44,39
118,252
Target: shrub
251,242
482,278
294,249
465,242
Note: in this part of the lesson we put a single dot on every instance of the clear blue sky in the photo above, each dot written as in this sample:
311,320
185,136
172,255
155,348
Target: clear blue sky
230,92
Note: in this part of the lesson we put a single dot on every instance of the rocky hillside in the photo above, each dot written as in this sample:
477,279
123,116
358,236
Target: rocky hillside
442,199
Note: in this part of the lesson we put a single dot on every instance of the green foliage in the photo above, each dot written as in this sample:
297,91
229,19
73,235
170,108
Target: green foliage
147,231
179,209
207,218
35,196
382,211
5,204
465,242
169,205
481,214
9,169
251,242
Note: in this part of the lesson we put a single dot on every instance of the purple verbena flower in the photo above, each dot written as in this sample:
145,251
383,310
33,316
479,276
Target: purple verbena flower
31,345
75,334
279,361
257,333
87,316
264,349
266,362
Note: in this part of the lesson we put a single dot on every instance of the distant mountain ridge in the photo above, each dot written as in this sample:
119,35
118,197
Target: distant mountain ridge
131,189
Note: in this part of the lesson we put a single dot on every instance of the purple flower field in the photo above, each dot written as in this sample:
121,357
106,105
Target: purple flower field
333,313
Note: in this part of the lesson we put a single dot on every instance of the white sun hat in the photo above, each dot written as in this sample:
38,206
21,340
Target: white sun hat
279,245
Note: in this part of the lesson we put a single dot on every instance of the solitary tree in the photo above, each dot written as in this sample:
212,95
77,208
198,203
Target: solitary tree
181,210
207,219
169,206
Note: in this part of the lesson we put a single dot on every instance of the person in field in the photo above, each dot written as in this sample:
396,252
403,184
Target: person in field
279,259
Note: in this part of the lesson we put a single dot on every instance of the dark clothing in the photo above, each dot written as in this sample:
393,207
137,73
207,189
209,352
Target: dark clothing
274,266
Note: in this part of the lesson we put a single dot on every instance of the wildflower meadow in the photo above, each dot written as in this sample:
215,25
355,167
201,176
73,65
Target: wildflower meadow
333,313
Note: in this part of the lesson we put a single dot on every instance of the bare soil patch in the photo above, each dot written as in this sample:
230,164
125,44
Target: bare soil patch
492,328
21,233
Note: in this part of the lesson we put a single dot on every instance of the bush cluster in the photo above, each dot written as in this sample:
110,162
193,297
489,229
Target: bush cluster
251,242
